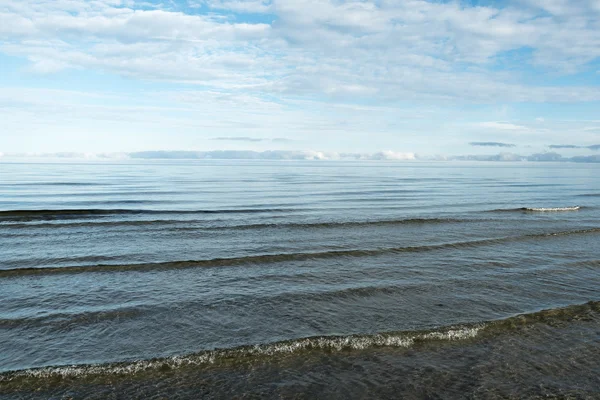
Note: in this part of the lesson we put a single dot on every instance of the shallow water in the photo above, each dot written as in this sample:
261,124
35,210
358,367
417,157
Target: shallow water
341,262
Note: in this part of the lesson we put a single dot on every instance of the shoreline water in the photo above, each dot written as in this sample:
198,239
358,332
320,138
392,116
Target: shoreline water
569,328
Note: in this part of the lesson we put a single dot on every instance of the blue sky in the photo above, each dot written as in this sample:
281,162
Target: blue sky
404,77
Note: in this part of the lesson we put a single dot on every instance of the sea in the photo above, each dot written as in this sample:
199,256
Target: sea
186,279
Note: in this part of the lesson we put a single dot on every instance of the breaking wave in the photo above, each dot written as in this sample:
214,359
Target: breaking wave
538,209
553,209
402,339
324,343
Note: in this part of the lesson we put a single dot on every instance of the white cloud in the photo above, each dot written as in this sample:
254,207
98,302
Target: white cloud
369,73
414,50
244,6
298,155
503,126
390,155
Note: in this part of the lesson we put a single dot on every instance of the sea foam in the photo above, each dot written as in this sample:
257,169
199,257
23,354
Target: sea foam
552,209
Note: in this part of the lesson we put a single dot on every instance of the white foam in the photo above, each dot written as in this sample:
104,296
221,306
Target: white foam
554,209
454,334
333,343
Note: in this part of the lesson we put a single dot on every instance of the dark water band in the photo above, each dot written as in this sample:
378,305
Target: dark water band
285,257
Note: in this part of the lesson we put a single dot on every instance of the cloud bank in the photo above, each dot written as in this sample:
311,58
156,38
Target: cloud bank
272,155
300,155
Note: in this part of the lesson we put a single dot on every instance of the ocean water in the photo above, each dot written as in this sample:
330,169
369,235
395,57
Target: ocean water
299,279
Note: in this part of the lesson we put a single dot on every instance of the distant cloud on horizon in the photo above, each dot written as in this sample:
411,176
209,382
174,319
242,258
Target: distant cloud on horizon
302,155
564,146
272,155
492,144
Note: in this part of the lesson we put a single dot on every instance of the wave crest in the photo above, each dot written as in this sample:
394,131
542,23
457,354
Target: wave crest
323,343
538,209
552,209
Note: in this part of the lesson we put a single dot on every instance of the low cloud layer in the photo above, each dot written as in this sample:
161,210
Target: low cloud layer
492,144
302,155
536,157
271,155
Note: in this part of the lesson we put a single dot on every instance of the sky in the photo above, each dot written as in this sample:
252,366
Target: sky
398,78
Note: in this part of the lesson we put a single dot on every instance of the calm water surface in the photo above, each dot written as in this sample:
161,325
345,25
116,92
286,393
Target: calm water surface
106,266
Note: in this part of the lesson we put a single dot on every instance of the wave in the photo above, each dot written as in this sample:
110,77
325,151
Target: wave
160,223
60,321
66,320
538,209
79,260
400,339
367,192
589,195
54,184
282,257
326,343
585,264
36,215
553,209
340,224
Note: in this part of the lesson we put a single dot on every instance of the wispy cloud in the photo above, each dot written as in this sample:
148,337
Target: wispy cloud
564,146
503,126
421,46
492,144
240,139
573,146
252,139
321,72
282,140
